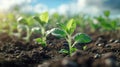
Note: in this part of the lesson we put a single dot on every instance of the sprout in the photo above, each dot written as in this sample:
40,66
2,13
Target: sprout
42,20
66,31
23,25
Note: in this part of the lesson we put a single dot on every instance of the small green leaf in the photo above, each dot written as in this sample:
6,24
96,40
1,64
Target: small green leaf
21,20
37,18
40,41
73,49
44,17
82,38
58,32
106,25
71,25
64,51
62,26
107,13
114,24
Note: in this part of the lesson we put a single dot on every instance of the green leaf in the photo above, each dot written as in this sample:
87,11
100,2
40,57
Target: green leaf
37,18
71,25
62,26
40,41
73,49
30,21
64,51
44,17
58,32
106,25
107,13
99,18
21,20
114,24
82,38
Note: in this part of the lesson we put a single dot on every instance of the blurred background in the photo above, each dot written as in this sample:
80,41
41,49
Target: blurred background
96,15
66,7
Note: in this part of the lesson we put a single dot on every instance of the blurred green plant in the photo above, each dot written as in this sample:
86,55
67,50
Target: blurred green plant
43,21
24,26
106,23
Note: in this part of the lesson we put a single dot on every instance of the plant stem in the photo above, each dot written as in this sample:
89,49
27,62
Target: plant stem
28,34
69,43
74,43
43,35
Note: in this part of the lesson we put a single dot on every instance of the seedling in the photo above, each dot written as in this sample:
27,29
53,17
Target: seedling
106,23
23,26
66,31
8,23
94,25
43,20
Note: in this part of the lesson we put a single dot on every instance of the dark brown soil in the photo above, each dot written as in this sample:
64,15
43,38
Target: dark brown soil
103,51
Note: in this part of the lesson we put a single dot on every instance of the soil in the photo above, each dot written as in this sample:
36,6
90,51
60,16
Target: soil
103,51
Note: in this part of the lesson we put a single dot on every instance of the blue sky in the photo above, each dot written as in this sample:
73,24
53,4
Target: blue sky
51,3
91,7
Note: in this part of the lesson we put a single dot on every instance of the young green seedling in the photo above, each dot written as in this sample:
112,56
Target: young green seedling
43,20
22,27
106,23
66,31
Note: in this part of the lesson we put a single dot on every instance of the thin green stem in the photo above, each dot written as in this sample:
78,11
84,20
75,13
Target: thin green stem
43,34
74,43
69,43
28,34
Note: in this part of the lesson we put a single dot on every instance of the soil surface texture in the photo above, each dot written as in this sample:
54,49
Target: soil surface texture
103,51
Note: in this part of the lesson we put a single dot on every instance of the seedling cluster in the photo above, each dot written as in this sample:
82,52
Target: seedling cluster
65,28
64,31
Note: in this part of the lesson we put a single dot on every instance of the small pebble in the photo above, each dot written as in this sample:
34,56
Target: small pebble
16,48
18,56
17,51
100,44
111,40
117,41
100,38
107,46
97,56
